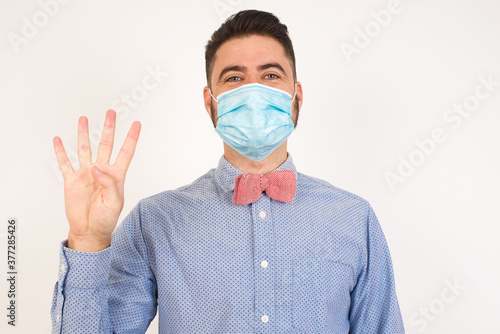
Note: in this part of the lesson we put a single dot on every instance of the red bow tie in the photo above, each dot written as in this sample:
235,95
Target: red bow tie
280,185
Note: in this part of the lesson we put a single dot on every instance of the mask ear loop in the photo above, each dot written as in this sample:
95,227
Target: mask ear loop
213,96
295,93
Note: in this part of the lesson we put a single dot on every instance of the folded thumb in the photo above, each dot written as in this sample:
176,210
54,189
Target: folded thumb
102,178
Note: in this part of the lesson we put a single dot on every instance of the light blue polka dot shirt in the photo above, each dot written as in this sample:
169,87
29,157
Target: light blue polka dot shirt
320,264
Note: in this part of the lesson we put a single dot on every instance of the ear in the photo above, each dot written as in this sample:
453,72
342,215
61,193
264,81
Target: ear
207,99
299,95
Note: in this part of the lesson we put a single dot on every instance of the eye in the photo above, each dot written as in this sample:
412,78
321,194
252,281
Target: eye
271,76
233,78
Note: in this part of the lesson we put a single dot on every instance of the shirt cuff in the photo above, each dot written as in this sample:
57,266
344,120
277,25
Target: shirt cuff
84,270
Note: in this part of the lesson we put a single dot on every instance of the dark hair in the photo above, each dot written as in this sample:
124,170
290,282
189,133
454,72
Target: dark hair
245,23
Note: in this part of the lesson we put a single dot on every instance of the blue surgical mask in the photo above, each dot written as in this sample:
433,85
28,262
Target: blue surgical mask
254,119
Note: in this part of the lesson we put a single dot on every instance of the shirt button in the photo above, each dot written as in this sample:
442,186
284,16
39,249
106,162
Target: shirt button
63,267
58,317
264,318
264,264
262,214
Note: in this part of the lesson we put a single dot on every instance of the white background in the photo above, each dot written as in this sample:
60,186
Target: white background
358,119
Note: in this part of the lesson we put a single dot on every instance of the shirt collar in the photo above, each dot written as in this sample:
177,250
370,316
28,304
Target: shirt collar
225,173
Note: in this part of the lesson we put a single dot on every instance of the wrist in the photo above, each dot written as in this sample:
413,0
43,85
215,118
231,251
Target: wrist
88,243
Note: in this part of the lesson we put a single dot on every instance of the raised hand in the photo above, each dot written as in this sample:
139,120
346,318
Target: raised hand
93,195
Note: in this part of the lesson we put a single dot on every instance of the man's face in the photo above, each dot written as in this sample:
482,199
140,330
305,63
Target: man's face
252,59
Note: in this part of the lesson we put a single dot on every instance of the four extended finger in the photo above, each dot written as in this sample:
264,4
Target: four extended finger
128,148
62,158
107,137
84,149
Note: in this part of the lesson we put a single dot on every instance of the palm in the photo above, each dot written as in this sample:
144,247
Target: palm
93,202
87,205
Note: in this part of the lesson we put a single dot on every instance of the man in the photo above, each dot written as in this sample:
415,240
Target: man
252,246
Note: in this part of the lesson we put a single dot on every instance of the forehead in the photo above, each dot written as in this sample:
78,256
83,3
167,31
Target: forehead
250,51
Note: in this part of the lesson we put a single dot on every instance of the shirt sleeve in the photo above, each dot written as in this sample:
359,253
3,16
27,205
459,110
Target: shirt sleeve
374,304
110,291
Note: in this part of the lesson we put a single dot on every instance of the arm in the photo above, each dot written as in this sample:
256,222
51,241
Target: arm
374,304
94,197
79,303
110,291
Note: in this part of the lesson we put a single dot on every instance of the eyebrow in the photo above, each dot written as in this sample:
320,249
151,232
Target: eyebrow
232,68
243,68
272,65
